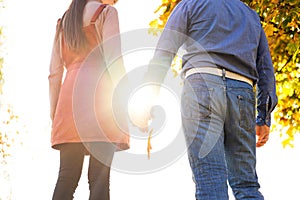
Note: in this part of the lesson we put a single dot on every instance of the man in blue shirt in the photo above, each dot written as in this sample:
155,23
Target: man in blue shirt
226,55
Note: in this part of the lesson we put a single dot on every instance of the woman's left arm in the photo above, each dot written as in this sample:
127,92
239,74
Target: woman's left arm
111,44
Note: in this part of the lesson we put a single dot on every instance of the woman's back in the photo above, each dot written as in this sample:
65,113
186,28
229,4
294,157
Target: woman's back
84,110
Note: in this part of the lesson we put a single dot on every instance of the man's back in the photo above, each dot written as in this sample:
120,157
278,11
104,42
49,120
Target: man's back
228,30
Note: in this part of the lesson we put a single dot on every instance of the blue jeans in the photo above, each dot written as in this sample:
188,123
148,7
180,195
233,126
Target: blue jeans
218,117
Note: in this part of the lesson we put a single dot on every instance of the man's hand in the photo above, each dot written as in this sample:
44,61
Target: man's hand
263,135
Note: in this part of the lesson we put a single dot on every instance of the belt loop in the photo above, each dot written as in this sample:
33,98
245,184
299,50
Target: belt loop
223,74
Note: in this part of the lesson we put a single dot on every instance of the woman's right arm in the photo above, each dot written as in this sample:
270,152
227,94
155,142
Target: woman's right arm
55,77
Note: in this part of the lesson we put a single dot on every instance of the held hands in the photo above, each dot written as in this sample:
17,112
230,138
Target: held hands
140,117
140,105
263,135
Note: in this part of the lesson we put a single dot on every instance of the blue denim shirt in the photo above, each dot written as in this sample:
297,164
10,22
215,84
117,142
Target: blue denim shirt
219,33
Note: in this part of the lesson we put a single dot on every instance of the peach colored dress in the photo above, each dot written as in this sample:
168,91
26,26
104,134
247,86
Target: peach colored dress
82,106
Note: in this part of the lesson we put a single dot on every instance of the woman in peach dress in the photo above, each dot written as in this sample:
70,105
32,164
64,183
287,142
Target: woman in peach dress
82,103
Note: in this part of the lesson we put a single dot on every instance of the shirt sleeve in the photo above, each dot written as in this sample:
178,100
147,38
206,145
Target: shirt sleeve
55,77
172,38
266,88
109,31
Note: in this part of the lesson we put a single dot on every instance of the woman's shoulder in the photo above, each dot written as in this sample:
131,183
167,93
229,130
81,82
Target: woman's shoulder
110,9
91,10
109,12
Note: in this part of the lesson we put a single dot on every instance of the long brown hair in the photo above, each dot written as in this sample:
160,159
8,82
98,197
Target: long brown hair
72,23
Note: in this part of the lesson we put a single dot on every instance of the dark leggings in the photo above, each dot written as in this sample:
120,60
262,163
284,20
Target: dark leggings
71,161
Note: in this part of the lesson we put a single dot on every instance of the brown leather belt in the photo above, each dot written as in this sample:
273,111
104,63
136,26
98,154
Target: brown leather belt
218,72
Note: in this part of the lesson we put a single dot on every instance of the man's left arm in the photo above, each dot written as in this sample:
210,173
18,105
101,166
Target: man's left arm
171,39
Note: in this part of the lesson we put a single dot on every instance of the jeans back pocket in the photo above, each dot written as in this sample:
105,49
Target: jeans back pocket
196,101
